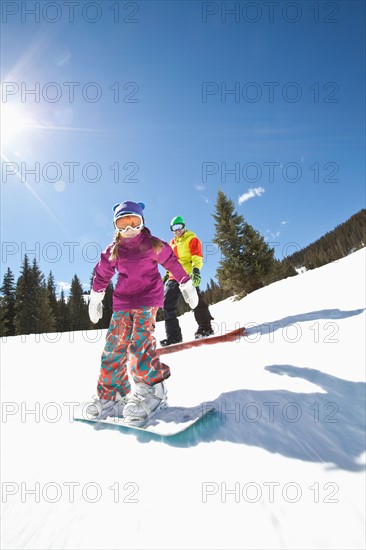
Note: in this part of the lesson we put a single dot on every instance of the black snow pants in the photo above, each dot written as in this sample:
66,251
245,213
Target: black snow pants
171,300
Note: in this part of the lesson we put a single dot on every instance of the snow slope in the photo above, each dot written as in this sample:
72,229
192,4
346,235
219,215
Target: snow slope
280,465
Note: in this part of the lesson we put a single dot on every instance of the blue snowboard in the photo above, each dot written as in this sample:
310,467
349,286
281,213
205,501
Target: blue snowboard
166,422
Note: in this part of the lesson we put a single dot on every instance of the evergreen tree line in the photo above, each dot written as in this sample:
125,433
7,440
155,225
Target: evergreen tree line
334,245
248,263
31,305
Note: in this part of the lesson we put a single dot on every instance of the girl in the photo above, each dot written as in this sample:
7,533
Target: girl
139,292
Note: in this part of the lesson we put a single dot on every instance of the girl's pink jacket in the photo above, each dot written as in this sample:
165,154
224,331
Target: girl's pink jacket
139,281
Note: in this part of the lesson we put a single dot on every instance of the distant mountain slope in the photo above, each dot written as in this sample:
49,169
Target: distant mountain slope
338,243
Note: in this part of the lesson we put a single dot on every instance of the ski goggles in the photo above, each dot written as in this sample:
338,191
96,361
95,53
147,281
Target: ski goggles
177,226
130,221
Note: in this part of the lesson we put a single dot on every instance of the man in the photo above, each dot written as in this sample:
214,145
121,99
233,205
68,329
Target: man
188,249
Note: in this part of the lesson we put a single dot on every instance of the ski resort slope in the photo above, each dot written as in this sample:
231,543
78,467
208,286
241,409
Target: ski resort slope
281,464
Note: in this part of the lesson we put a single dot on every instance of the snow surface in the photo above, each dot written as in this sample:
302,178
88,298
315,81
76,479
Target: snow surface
281,463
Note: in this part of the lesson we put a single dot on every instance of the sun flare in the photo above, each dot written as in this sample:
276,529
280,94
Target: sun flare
14,122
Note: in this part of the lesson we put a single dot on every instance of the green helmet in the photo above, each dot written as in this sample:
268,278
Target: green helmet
177,220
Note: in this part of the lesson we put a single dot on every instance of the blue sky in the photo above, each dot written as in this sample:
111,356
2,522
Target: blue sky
167,102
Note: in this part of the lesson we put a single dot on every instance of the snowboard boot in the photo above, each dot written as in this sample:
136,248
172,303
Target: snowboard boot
171,340
102,408
144,402
203,332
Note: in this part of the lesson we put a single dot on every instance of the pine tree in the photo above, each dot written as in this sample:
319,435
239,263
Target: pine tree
52,296
229,238
214,293
33,312
3,317
280,270
258,259
63,323
44,320
246,259
25,300
208,294
78,309
7,305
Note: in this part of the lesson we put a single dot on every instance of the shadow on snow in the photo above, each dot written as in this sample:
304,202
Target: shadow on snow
326,426
330,314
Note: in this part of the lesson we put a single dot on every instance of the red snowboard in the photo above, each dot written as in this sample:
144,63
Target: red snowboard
226,337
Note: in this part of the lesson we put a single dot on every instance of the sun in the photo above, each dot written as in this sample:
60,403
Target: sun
14,122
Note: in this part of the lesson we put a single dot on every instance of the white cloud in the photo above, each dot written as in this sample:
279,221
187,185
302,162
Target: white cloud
256,192
270,235
200,187
64,286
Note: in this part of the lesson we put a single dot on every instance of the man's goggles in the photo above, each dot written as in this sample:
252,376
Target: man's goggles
177,226
130,221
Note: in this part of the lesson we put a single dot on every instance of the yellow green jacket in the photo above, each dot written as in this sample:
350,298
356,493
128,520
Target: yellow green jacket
188,249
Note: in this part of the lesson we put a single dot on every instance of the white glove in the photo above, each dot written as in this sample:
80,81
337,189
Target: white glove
189,294
96,306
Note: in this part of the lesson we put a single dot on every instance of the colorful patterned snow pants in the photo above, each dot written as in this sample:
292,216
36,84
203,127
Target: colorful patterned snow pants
130,339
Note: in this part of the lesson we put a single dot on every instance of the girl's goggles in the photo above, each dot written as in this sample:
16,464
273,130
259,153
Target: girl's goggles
177,226
130,221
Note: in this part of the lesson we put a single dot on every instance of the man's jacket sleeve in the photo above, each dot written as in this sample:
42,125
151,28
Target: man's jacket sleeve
195,247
